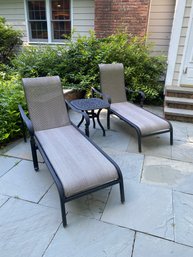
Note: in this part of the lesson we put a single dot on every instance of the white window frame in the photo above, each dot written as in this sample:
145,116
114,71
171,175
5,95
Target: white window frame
50,40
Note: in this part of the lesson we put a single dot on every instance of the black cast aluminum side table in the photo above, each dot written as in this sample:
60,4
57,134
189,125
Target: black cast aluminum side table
89,105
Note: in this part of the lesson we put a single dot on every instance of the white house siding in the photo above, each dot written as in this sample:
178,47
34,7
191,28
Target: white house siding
82,15
13,11
184,29
160,24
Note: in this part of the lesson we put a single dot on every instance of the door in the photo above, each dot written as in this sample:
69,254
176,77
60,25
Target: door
187,73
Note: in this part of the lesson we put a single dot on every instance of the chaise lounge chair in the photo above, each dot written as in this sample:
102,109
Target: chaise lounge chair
76,164
144,122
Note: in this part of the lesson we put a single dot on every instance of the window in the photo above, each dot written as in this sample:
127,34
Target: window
49,20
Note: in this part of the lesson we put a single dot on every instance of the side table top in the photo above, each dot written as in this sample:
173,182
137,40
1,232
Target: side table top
89,104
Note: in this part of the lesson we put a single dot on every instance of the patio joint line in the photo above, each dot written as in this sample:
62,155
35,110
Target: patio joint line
45,193
4,202
12,166
141,173
133,245
106,203
51,240
173,215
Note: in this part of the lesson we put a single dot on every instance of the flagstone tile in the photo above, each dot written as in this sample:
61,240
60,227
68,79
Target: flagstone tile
183,210
26,229
22,181
89,237
170,173
23,151
130,164
6,163
182,151
117,140
3,199
91,205
148,246
147,209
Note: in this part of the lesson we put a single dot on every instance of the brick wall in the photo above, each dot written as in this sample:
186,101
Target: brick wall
121,15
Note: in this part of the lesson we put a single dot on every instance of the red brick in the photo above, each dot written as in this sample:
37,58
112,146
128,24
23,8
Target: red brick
125,15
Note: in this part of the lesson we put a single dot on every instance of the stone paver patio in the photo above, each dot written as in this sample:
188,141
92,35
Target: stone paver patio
156,219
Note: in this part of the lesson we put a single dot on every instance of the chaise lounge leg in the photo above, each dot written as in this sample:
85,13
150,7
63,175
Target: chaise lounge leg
34,154
171,136
122,191
63,210
108,119
139,141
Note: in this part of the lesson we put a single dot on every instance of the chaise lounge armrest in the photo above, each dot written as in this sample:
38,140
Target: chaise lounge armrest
105,97
27,122
140,93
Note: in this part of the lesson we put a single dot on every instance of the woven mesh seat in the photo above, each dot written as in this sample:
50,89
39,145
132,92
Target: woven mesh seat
76,161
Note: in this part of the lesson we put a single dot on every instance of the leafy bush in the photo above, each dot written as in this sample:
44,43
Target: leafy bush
77,62
11,94
10,39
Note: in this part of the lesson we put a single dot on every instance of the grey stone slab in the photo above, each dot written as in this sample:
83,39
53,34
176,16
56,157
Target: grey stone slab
6,163
183,210
23,182
3,199
22,150
190,132
148,246
157,145
182,151
180,131
91,205
89,237
170,173
155,109
147,209
130,164
26,229
114,139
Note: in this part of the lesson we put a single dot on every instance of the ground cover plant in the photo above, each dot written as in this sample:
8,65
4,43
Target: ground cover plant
11,94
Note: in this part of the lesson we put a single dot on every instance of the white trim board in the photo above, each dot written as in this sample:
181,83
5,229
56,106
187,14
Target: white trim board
174,41
182,68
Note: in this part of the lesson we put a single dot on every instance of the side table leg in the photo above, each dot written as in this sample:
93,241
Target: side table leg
108,118
93,116
97,115
81,121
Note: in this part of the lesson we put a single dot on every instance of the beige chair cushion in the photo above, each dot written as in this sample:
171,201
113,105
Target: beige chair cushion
79,165
146,121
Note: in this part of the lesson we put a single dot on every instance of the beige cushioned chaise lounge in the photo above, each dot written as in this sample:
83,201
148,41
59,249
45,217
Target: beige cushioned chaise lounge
77,165
144,122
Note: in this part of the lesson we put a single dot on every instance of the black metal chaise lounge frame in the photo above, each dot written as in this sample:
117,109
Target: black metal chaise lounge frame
77,165
144,122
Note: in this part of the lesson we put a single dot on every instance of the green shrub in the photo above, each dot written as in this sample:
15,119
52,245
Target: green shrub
10,39
11,94
77,62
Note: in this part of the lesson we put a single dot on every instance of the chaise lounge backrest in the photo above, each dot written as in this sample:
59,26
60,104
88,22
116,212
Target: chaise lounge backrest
114,86
45,102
